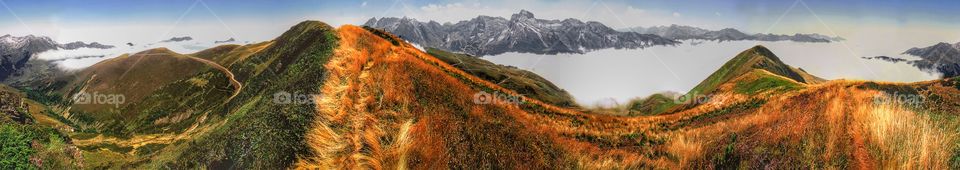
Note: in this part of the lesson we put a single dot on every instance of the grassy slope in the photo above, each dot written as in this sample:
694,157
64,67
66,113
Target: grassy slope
136,77
36,110
389,105
32,138
756,58
191,123
385,104
257,131
133,76
522,81
372,117
837,124
188,121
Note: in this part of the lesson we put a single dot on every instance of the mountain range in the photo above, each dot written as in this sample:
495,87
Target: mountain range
318,97
943,58
16,66
225,41
178,39
682,32
522,32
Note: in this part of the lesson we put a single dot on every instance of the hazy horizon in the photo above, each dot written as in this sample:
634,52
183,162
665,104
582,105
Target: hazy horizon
607,76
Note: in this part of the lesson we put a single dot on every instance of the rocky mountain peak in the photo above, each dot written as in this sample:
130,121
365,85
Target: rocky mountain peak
371,21
7,39
486,35
945,46
941,57
524,14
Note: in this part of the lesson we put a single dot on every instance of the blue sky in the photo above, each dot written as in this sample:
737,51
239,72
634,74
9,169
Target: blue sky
260,20
945,10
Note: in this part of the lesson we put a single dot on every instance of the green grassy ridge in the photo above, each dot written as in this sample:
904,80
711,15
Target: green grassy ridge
263,133
765,82
120,76
523,82
758,57
256,131
137,117
136,76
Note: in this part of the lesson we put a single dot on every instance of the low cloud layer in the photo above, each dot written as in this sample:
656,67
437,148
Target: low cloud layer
610,76
84,57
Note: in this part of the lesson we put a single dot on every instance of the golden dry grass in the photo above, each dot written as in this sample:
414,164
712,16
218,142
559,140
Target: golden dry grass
391,106
907,140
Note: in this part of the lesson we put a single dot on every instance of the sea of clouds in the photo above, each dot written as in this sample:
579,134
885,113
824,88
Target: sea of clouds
84,57
611,77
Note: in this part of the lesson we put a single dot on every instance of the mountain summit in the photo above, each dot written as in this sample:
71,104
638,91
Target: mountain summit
522,33
524,14
752,71
758,57
943,58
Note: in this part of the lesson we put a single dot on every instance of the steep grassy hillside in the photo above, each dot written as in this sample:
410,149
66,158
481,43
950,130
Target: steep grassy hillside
181,113
758,57
390,105
193,122
135,76
747,63
110,96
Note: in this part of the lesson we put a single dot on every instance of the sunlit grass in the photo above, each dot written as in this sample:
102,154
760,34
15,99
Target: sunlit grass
907,140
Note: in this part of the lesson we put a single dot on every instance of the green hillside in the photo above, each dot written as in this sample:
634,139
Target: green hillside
745,64
758,57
